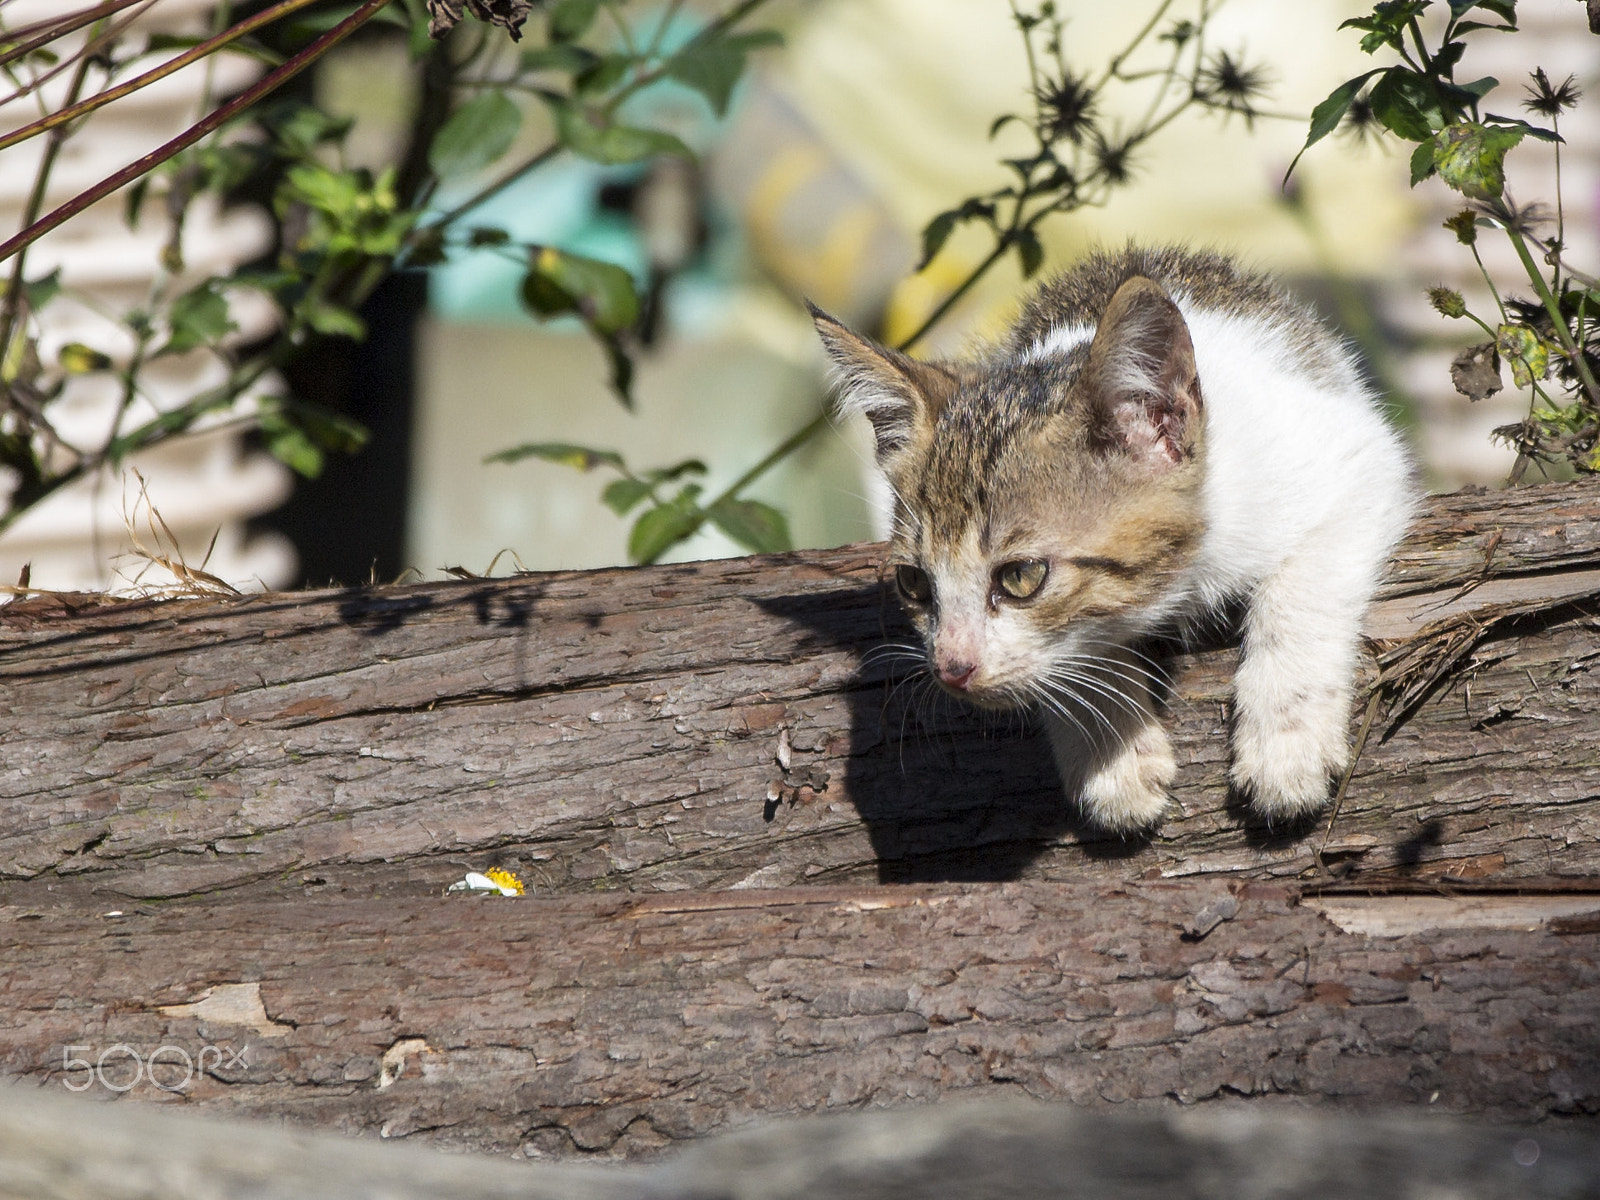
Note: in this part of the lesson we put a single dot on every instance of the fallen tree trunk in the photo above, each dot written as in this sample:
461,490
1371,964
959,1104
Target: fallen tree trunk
624,1024
723,724
297,779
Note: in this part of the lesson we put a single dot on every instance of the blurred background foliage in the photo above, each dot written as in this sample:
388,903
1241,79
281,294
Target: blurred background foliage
604,231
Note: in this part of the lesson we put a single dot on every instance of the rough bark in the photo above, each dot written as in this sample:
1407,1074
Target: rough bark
620,1024
227,827
59,1150
727,724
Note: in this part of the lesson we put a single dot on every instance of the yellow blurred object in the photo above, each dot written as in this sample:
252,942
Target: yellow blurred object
904,93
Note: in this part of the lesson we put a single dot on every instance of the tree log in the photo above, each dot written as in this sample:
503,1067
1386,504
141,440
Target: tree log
726,724
621,1024
227,828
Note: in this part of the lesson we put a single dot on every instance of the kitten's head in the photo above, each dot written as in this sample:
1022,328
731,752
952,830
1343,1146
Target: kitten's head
1045,506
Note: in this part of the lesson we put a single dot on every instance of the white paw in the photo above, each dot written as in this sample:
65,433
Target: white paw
1286,761
1129,793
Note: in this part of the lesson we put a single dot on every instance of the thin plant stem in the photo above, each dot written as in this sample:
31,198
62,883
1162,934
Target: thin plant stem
776,455
60,27
89,49
1115,65
488,192
251,95
73,111
1561,215
1563,334
961,289
1006,238
1505,319
12,303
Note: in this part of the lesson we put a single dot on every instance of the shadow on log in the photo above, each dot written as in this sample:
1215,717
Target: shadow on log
227,826
727,724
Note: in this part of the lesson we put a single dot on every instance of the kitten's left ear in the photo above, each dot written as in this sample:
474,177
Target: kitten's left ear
897,393
1141,365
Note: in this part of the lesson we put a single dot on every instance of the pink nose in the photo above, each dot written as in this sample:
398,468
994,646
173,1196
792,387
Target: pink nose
956,674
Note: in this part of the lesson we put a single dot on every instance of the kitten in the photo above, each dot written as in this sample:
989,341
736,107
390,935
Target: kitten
1161,436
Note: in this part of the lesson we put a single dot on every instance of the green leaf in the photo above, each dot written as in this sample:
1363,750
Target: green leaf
331,319
476,134
1386,26
299,434
134,204
1525,351
689,466
420,42
427,247
1029,252
1326,116
590,134
1421,163
568,455
935,234
621,370
289,444
600,292
77,359
543,297
18,453
608,71
571,19
1001,122
248,47
1406,104
620,495
322,20
713,68
39,292
333,192
559,57
660,528
1471,157
755,526
299,128
1445,59
1506,10
199,317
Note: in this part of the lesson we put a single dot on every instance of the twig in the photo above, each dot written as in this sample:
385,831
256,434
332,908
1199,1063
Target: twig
263,87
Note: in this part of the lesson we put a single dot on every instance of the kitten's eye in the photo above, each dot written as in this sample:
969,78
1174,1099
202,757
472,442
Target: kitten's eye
913,583
1019,580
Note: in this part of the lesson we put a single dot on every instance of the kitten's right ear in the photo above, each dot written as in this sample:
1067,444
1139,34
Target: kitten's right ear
1141,364
895,392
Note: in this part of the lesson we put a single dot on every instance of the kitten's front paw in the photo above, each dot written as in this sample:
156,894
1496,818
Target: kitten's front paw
1286,765
1129,793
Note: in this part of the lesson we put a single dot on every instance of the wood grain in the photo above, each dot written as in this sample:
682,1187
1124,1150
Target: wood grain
621,1025
624,729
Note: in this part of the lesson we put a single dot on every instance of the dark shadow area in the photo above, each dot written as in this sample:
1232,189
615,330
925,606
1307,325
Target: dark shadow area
348,524
948,793
1412,851
1262,834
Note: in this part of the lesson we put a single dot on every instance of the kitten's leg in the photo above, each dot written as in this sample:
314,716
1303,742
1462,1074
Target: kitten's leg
1110,748
1296,676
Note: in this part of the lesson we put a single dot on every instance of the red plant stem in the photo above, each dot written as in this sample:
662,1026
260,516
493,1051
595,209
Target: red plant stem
221,116
176,63
61,26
